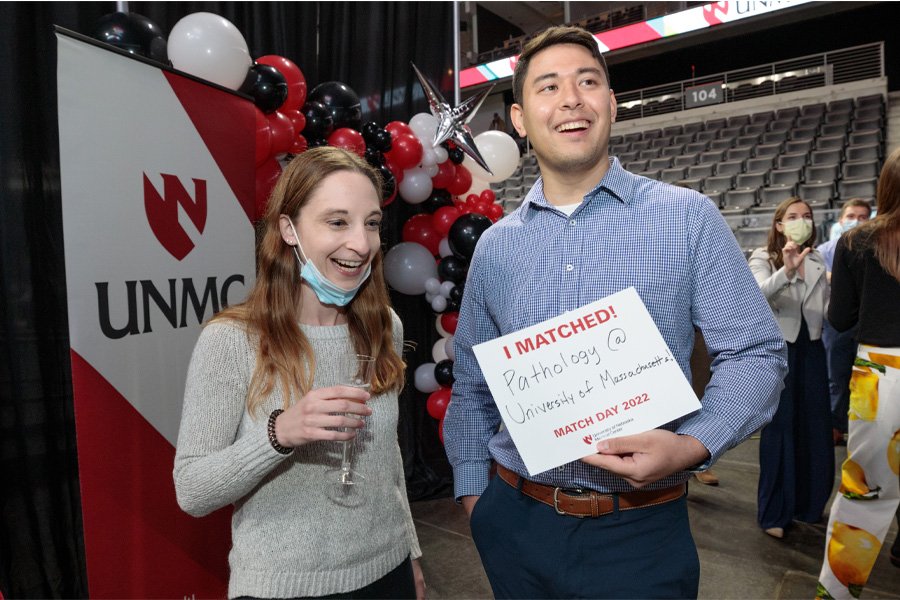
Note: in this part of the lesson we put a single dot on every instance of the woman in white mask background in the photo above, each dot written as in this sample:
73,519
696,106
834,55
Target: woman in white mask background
264,414
796,451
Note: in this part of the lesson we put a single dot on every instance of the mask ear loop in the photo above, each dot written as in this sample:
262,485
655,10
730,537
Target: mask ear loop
297,245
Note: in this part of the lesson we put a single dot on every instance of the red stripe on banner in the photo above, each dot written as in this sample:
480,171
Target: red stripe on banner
471,77
138,542
628,36
227,125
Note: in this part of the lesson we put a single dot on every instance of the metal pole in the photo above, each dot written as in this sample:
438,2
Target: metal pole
121,6
567,14
456,53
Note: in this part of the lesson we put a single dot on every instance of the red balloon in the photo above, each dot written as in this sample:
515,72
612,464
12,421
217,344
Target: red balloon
266,176
348,139
296,117
294,77
448,322
445,176
462,182
387,201
398,128
420,229
299,146
282,133
473,199
488,196
263,138
437,403
495,211
406,152
481,208
444,218
459,204
393,168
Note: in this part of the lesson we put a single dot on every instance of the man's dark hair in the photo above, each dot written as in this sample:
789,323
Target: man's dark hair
552,37
856,202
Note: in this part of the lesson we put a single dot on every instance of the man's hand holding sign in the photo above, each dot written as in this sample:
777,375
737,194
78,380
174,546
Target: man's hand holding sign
599,378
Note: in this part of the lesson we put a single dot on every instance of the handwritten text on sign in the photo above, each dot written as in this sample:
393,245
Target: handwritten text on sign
599,371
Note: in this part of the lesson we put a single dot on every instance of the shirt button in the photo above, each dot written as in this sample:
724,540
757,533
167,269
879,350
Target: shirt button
569,267
572,222
562,468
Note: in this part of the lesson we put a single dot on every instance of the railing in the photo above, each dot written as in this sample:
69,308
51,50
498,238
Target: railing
817,70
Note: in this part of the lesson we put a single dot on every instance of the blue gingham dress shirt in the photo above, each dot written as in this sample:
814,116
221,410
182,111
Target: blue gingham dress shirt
669,243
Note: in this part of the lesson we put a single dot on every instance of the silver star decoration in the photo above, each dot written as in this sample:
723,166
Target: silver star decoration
453,121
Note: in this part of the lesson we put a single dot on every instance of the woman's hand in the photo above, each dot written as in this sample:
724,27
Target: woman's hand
317,416
793,258
419,578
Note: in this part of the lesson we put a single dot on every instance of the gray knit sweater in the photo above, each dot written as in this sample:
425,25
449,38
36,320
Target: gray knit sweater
292,533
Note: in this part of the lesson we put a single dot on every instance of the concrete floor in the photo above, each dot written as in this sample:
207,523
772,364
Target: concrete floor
737,559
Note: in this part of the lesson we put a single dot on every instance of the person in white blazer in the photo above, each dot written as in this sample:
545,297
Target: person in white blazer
796,453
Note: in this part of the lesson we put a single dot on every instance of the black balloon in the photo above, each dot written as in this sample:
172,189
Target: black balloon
319,123
465,233
388,182
267,86
451,268
368,132
374,157
341,101
383,140
456,156
456,293
316,143
452,306
443,373
438,198
133,33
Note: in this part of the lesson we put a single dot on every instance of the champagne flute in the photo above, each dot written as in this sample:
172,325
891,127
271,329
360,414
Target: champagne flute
356,371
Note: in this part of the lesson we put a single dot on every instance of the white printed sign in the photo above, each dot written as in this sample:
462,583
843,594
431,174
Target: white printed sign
597,372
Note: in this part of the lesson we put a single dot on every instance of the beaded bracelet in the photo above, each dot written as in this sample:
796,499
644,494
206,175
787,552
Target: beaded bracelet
273,439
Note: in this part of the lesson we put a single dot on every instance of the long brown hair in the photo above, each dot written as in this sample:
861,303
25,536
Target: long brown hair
271,312
777,239
885,227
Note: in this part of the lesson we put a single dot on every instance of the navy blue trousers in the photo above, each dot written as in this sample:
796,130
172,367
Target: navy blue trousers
529,551
796,450
840,350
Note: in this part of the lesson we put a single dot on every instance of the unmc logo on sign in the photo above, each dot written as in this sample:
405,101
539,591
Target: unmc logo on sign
162,212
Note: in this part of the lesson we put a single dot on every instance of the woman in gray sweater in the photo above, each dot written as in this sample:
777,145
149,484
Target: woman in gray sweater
264,417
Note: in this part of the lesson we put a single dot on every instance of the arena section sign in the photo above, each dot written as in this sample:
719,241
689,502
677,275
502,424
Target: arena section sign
157,176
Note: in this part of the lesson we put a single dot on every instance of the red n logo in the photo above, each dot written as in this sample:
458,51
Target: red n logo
162,212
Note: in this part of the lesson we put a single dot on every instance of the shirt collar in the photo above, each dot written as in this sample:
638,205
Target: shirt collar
617,182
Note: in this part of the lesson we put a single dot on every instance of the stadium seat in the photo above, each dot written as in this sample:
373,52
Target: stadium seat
872,100
781,124
721,144
615,139
773,137
704,170
862,169
730,167
867,152
635,166
866,113
762,117
613,150
662,142
861,138
660,163
634,136
747,141
819,173
761,163
649,174
867,125
751,180
627,157
740,198
721,183
788,113
706,136
817,192
803,133
808,110
775,195
795,146
730,131
785,176
686,160
682,139
712,156
714,124
809,121
738,120
837,117
697,147
831,142
751,238
672,150
692,128
695,183
843,105
651,134
673,174
826,157
672,130
756,129
648,154
641,145
857,188
767,150
738,153
716,197
829,129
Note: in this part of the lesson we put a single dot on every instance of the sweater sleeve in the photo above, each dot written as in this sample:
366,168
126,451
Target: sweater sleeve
214,465
843,310
411,537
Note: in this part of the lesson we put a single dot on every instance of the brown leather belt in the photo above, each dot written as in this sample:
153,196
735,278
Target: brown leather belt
590,503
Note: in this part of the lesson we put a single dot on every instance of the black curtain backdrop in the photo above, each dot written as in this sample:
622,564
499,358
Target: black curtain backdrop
367,45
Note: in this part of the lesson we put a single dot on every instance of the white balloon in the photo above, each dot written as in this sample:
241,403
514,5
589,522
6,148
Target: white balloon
424,378
439,304
440,328
432,171
499,151
424,126
210,47
429,297
446,288
478,186
429,158
449,349
439,352
444,248
416,185
441,153
433,286
407,266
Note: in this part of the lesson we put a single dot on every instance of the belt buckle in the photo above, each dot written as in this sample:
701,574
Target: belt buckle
556,504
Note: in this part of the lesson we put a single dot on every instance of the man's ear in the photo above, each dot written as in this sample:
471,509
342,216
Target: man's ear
613,107
518,119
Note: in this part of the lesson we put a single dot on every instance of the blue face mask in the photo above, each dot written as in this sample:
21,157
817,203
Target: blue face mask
326,291
848,225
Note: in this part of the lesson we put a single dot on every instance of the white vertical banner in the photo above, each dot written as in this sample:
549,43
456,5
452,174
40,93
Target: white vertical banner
157,177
